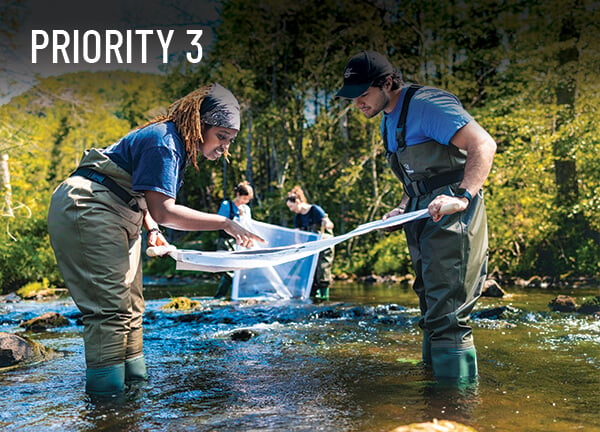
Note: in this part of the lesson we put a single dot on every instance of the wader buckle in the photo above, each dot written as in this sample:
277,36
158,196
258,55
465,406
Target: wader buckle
423,187
105,180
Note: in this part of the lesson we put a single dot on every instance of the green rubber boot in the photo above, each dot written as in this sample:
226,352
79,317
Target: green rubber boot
322,293
454,365
135,370
105,382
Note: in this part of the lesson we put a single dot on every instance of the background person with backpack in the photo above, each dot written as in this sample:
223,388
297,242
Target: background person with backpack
237,210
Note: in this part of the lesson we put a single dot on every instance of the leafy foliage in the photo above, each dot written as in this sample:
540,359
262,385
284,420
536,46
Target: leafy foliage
512,63
45,132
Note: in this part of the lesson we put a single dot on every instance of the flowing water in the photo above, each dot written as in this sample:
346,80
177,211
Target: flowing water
349,364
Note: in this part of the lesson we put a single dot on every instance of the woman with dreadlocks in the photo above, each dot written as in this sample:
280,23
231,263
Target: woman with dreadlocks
96,216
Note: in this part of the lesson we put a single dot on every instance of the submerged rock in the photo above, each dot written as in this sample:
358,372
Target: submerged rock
16,349
435,426
242,335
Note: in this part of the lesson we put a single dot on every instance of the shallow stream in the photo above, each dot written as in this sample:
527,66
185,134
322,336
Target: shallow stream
349,364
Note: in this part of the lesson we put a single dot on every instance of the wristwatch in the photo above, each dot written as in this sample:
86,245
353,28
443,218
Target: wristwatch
464,193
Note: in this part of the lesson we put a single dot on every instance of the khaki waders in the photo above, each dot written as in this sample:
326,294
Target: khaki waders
97,243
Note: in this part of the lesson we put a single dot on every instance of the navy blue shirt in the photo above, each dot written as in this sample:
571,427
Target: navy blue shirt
154,156
311,221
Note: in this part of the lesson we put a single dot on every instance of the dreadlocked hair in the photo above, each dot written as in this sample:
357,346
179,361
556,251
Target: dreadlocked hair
185,113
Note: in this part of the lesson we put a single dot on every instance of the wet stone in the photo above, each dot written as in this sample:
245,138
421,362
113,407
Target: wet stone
45,322
181,303
501,312
563,303
242,335
590,307
15,349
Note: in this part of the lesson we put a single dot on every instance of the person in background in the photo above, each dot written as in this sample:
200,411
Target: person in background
96,215
238,210
442,156
311,217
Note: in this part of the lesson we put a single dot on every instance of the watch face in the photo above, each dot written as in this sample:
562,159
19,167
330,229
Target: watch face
463,193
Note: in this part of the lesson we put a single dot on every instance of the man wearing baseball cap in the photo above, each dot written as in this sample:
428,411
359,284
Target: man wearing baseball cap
442,156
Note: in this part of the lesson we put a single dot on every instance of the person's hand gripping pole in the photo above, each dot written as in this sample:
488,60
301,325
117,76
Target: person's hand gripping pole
444,205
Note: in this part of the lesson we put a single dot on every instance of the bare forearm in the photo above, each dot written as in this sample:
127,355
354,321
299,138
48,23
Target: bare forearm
165,212
186,219
149,223
480,148
478,166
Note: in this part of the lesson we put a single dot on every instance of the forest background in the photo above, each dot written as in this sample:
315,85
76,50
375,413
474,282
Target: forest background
527,71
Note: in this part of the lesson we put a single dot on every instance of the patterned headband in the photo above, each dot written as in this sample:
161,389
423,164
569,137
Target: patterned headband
220,108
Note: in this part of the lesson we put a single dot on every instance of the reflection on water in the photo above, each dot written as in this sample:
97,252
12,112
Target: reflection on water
351,364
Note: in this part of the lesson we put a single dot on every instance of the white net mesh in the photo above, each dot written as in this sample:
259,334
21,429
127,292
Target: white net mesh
288,280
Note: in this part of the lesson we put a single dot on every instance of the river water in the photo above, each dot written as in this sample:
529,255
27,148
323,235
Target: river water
349,364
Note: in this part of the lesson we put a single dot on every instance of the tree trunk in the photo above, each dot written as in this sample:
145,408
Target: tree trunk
249,167
565,170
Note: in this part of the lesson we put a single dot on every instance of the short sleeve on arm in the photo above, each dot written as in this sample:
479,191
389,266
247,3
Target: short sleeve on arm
441,115
224,209
159,170
318,214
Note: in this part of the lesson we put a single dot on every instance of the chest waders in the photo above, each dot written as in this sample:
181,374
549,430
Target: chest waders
96,238
449,257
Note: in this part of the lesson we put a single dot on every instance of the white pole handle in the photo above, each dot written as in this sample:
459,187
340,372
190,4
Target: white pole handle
450,208
154,251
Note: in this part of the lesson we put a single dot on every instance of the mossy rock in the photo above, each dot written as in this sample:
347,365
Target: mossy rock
181,303
16,350
45,322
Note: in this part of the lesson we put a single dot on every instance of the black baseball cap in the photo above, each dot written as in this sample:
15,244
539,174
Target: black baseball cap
361,71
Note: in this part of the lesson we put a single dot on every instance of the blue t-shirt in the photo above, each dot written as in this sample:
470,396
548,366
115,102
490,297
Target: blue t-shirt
154,156
311,220
433,114
229,209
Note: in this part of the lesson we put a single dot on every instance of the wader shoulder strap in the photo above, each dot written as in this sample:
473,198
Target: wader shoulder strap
420,187
401,125
231,212
105,180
